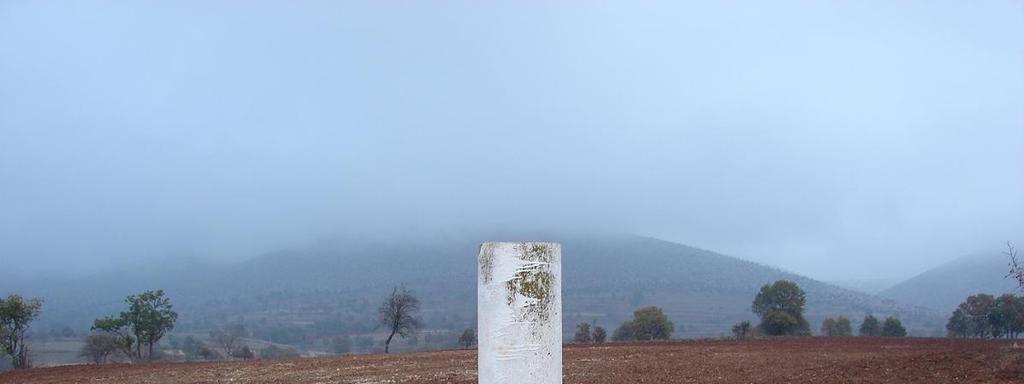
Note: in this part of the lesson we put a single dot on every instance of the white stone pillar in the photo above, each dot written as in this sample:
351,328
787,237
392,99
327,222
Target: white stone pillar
519,313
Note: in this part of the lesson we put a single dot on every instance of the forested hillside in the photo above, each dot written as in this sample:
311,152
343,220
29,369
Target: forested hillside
944,287
309,295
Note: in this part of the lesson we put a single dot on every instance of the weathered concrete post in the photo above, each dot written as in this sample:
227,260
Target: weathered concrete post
519,313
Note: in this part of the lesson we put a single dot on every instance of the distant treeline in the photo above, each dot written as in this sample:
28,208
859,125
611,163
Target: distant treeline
986,316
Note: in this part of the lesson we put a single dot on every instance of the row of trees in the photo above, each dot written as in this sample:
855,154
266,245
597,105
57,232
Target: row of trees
891,327
101,347
836,327
984,316
148,318
584,335
780,306
134,333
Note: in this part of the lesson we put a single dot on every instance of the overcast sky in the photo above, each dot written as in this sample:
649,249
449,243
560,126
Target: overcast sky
835,139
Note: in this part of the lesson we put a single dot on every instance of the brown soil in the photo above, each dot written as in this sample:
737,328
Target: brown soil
786,360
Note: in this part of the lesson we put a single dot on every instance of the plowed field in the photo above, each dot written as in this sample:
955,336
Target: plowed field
787,360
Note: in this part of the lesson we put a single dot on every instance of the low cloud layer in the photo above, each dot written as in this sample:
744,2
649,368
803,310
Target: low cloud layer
839,141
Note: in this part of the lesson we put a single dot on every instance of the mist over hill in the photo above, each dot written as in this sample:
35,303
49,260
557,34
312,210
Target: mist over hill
335,286
944,287
869,286
844,141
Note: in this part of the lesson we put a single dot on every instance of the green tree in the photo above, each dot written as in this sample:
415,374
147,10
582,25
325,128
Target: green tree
892,327
781,307
650,323
977,308
624,332
468,338
742,330
151,316
582,335
1017,323
148,318
958,325
836,327
16,315
870,326
781,323
843,326
828,327
1006,317
600,335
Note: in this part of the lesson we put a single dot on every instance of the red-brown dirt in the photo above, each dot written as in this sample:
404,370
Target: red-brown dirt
784,360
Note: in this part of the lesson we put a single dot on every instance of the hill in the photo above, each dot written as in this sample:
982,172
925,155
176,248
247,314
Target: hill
306,296
946,286
869,286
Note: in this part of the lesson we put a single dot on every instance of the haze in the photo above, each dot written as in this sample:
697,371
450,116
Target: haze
837,140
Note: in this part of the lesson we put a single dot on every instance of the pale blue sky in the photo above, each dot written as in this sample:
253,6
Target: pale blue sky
827,138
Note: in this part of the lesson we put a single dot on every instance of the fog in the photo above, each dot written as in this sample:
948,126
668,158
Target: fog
841,141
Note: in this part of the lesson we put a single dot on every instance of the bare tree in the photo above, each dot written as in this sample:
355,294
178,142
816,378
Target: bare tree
228,338
119,329
398,312
742,330
99,347
1016,266
244,353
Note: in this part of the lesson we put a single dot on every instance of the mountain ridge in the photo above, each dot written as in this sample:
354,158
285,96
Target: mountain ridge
945,286
606,277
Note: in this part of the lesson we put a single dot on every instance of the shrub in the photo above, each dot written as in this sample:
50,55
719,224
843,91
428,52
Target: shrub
893,328
600,335
582,335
